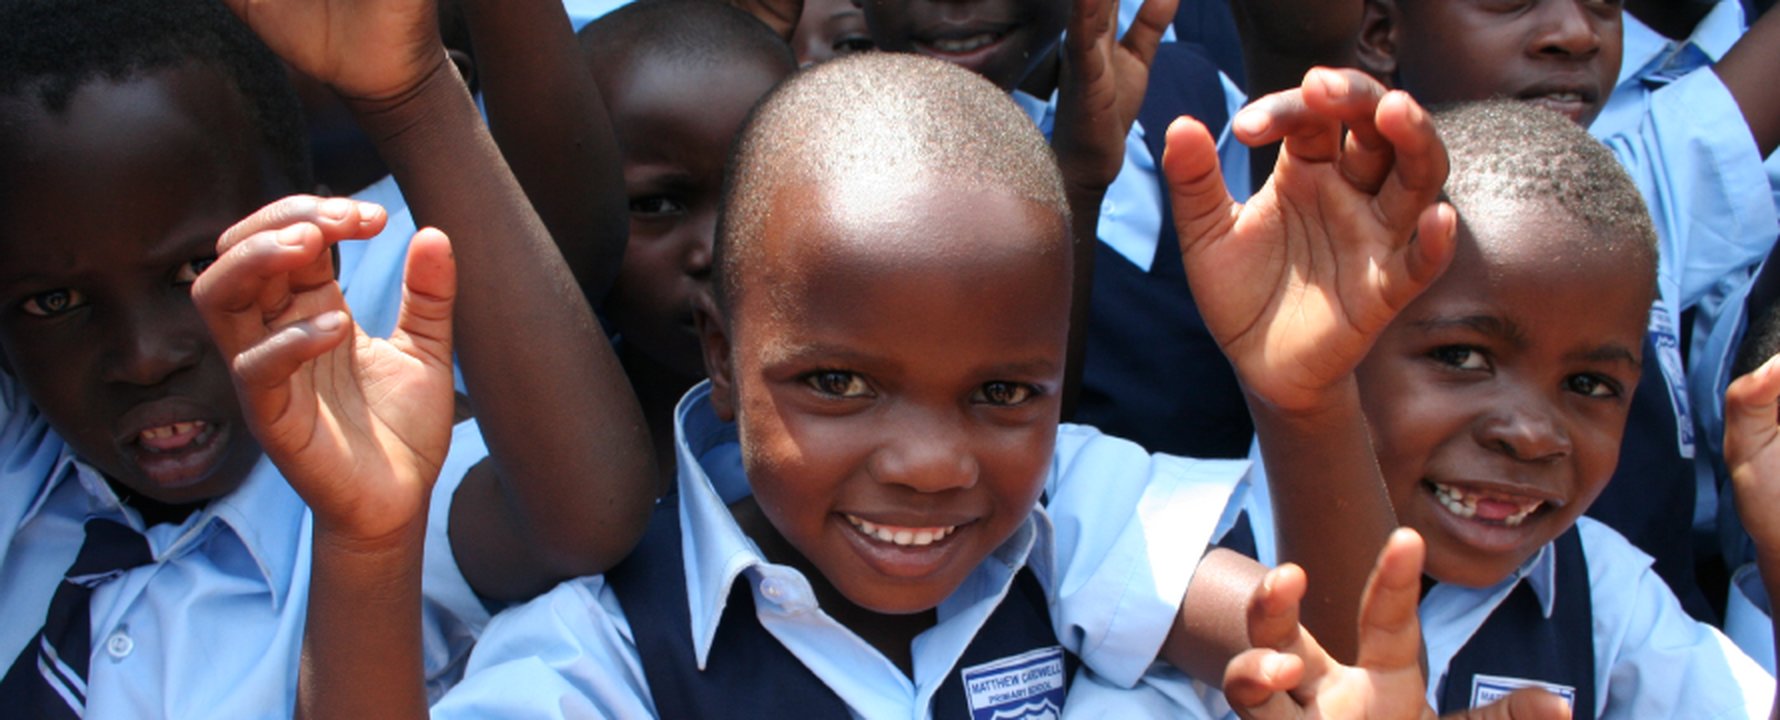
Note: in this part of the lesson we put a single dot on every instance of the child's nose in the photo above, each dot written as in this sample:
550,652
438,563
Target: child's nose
1567,29
1525,428
151,345
925,456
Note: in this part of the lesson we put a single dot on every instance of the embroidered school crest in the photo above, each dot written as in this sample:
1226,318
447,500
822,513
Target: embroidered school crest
1028,686
1486,689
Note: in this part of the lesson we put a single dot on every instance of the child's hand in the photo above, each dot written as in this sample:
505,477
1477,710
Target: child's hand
780,15
1297,284
375,50
359,426
1288,675
1102,88
1752,453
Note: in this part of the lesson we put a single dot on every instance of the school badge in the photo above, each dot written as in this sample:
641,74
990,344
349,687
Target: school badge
1486,689
1028,686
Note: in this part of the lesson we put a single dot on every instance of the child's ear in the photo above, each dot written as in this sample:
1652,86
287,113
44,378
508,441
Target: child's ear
1379,25
713,338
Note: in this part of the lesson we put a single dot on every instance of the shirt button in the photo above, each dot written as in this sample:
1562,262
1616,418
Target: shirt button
773,589
119,645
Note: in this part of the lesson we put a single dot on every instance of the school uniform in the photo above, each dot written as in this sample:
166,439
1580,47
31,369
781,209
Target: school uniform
212,625
1585,617
1109,559
1152,372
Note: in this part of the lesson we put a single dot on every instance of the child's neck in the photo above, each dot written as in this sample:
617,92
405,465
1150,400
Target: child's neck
153,511
658,390
892,635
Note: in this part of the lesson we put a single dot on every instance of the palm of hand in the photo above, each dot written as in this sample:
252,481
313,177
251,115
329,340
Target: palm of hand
371,50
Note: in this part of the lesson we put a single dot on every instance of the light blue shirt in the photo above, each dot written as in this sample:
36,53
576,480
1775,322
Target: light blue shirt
213,627
1651,658
1114,551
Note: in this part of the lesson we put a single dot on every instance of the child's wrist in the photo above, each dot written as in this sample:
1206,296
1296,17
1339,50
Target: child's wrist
411,106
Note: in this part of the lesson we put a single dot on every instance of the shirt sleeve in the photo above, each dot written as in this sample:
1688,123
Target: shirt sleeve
1695,162
452,614
1653,659
567,654
1130,529
29,451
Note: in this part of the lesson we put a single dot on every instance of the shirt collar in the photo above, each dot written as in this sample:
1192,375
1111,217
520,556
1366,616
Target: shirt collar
264,514
717,551
1647,51
1540,572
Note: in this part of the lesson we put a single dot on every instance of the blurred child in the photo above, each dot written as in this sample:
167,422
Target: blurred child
1695,156
678,78
1497,401
861,480
134,134
829,29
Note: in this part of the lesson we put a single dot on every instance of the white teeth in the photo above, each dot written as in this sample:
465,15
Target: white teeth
1463,504
167,431
963,45
899,535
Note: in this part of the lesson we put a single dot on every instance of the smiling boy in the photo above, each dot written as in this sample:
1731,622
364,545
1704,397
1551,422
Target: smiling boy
1497,402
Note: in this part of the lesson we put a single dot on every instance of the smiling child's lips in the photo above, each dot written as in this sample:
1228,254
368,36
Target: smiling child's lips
173,442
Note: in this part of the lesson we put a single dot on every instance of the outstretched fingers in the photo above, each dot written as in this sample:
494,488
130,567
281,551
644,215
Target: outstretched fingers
1146,31
1420,164
336,218
1390,632
429,288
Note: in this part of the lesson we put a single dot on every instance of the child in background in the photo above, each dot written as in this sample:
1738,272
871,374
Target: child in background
134,134
1696,157
678,78
866,447
829,29
1497,400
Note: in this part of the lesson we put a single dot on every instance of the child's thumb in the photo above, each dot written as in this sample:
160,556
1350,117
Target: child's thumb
429,289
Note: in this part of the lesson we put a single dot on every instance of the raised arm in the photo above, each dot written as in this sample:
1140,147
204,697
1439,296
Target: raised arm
1297,285
1283,39
567,485
1748,71
545,113
1752,453
1099,94
358,426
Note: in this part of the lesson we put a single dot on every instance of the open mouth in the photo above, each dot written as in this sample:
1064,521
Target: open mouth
179,454
962,45
902,536
1495,508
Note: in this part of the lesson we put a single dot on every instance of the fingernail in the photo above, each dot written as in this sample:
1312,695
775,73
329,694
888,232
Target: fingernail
291,236
330,321
1252,122
1273,666
336,208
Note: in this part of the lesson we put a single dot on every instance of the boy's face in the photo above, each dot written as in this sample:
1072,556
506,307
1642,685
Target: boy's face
1002,40
1498,398
1561,54
894,360
674,129
829,29
109,212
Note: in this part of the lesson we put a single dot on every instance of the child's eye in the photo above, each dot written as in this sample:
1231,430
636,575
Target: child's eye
1460,357
1004,394
190,271
653,205
54,302
852,44
838,383
1592,386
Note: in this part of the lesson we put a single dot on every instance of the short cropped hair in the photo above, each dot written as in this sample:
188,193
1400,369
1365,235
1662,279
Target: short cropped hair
696,32
1512,151
54,47
884,118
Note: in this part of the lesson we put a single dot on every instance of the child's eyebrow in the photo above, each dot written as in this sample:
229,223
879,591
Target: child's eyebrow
1609,353
1492,325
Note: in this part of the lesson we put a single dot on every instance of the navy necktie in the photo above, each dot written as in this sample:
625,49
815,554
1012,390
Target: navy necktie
49,677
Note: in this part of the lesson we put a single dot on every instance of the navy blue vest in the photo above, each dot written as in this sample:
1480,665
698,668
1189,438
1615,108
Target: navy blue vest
1152,373
1518,641
1210,25
748,673
1651,497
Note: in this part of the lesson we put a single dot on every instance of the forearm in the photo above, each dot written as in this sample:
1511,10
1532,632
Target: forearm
1084,209
1747,70
564,432
1282,40
1330,508
547,117
1212,625
362,642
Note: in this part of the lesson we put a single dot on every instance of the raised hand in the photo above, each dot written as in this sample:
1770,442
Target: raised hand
375,50
1288,675
1752,453
1297,284
780,15
359,426
1102,88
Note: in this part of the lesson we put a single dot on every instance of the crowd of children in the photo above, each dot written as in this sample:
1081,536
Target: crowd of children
889,358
